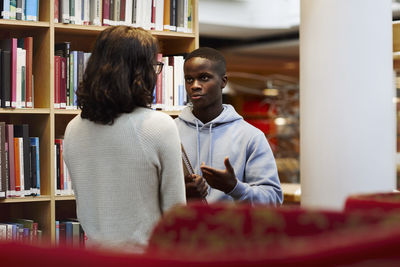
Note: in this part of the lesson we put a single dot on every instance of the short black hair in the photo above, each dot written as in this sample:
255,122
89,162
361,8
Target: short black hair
210,54
119,75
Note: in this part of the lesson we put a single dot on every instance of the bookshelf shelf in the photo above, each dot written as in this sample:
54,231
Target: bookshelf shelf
78,29
49,123
67,111
64,198
25,111
18,24
25,199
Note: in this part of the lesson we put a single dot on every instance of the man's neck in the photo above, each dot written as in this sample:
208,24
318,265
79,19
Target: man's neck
208,115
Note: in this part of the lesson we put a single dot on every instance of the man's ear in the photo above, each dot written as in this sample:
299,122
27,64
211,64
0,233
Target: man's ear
224,81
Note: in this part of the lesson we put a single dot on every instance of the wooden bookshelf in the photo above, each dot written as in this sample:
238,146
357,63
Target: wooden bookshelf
48,123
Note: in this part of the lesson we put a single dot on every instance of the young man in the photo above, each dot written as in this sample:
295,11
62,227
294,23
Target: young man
233,156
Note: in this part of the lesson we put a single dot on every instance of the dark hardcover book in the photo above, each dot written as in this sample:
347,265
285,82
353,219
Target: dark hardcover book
19,12
63,50
23,131
111,14
5,79
1,10
173,17
3,178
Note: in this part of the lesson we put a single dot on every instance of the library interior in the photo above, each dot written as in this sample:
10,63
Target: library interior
319,81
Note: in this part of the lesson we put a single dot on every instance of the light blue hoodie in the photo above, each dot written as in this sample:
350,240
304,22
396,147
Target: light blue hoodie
247,148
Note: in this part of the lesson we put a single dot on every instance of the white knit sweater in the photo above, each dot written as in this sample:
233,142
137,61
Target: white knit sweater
125,176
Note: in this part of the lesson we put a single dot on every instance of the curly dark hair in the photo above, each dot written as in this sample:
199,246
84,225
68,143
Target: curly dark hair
119,75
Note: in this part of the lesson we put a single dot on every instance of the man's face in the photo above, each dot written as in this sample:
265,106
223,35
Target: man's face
203,83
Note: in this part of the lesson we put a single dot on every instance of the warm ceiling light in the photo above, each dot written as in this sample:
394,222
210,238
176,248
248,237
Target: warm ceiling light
270,92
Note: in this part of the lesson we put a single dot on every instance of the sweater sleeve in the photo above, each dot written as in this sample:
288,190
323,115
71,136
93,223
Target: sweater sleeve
168,147
261,183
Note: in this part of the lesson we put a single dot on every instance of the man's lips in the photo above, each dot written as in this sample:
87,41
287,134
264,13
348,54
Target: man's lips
196,96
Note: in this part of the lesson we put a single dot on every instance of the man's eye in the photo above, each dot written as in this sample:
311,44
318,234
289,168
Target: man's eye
189,80
204,78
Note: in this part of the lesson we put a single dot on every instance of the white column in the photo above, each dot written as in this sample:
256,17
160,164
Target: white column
347,113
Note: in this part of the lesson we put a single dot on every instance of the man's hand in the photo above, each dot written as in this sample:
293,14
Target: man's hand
196,186
224,180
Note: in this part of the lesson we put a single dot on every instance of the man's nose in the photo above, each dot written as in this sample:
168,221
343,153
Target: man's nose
196,85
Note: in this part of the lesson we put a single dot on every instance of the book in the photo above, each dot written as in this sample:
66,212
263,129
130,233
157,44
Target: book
36,163
64,11
63,50
32,8
11,160
5,79
11,45
187,167
28,46
22,131
3,176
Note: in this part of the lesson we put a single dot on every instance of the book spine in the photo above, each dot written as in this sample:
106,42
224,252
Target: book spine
14,72
106,12
56,81
28,45
35,144
63,82
17,167
64,11
3,178
5,13
56,11
6,79
31,10
11,158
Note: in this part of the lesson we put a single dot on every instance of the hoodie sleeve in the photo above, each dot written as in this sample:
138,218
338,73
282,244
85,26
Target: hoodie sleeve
260,182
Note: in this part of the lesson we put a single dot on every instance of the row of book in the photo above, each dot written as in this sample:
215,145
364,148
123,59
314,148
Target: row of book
21,230
17,83
167,15
20,9
63,184
19,161
70,233
69,67
170,93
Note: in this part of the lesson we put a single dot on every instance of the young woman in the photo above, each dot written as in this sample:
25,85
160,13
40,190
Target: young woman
125,172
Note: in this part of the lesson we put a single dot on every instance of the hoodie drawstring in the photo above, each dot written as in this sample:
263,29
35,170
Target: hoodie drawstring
210,154
210,147
198,148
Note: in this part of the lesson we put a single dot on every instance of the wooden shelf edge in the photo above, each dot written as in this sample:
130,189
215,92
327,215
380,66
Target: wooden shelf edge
96,29
25,111
40,24
61,198
67,111
25,199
